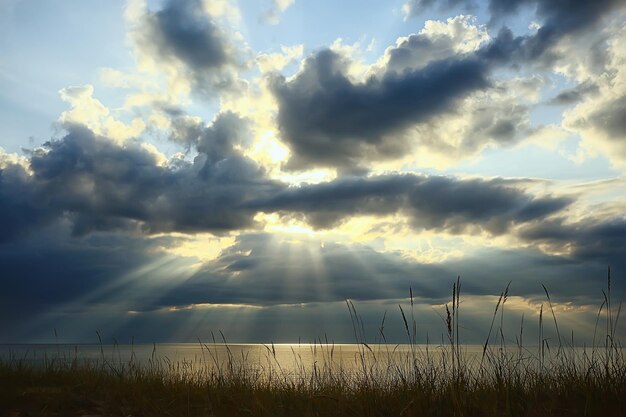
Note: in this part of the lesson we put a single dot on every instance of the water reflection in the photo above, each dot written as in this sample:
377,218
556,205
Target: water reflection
285,360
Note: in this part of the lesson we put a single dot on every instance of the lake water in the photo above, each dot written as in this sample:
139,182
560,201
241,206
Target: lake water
288,360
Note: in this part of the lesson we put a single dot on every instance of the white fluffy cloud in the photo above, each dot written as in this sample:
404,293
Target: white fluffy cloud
88,111
437,40
278,7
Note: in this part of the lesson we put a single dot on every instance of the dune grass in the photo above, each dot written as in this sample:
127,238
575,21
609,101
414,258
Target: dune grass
500,381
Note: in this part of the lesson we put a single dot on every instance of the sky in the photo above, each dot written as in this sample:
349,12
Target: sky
169,169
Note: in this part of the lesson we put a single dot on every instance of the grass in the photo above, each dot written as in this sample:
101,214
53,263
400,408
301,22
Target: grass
501,381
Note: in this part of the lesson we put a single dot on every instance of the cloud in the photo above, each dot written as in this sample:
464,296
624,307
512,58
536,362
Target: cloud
103,185
589,239
432,203
269,270
86,276
218,141
88,279
611,119
599,117
431,99
262,269
93,224
575,95
497,117
181,30
223,9
558,20
90,112
437,41
563,16
52,268
412,8
329,120
277,61
183,36
434,92
99,185
272,15
21,209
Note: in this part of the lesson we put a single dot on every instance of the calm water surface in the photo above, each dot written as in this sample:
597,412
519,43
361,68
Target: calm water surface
288,359
287,355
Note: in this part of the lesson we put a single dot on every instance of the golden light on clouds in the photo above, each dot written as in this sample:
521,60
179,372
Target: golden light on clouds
213,155
268,150
204,247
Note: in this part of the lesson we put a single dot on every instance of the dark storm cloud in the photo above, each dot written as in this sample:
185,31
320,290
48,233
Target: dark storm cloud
560,15
181,29
558,18
561,18
101,185
328,120
51,270
575,95
21,209
486,204
432,203
216,141
589,239
503,48
328,203
182,32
